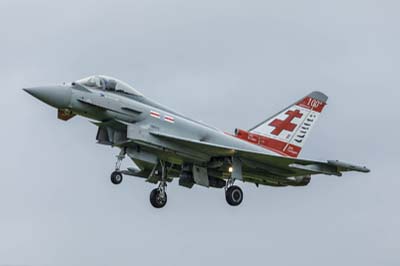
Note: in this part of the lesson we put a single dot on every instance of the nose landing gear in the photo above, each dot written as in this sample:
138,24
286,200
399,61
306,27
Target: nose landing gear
116,176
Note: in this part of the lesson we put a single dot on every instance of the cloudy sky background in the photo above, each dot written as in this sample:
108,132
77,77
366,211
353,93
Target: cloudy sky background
230,64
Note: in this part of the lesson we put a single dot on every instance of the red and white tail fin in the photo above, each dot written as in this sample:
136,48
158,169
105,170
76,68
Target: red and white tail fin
286,132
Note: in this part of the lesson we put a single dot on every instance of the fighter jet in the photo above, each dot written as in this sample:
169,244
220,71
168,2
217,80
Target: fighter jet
166,145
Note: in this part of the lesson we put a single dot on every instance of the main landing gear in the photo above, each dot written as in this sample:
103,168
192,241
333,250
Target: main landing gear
116,176
158,196
233,194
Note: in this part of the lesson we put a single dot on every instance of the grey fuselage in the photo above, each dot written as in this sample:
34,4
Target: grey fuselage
122,108
139,126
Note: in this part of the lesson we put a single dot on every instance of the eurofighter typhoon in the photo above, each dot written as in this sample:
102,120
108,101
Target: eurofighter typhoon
166,145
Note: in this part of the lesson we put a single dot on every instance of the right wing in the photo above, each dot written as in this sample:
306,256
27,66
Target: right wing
280,166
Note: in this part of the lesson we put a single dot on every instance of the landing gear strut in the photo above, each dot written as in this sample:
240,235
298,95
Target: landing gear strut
158,196
233,194
116,176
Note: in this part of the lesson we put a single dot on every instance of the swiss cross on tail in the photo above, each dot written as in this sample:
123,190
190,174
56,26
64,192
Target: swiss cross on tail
286,124
285,133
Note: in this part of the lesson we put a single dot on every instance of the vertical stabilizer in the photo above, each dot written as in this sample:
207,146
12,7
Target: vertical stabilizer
287,131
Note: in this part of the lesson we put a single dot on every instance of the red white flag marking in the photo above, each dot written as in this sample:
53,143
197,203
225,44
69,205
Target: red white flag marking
169,119
155,114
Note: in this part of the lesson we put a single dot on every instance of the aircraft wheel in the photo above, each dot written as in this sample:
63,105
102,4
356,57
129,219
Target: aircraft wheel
234,195
116,178
157,199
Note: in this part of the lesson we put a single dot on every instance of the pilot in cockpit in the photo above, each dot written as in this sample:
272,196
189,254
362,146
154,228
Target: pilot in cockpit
108,84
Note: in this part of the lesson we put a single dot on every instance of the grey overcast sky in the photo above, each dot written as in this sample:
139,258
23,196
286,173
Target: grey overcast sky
230,64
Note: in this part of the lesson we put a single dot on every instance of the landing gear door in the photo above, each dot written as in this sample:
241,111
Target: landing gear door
200,176
237,168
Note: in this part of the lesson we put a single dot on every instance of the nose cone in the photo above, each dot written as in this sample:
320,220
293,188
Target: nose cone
56,96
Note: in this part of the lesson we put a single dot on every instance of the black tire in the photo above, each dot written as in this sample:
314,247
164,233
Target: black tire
156,200
116,178
234,195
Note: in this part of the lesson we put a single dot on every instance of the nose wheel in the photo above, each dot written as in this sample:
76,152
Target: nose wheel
116,178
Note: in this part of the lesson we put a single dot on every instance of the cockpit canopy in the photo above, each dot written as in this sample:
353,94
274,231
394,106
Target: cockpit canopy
108,84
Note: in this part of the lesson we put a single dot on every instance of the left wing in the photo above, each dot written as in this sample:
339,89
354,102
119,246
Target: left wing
285,166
